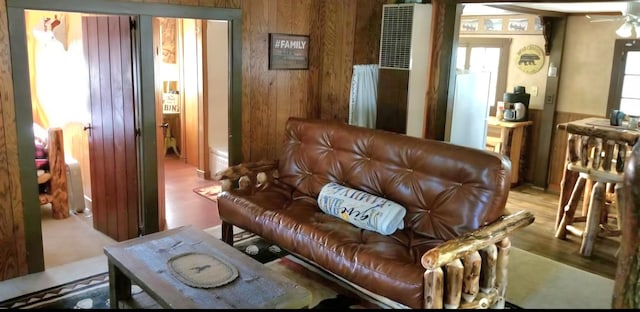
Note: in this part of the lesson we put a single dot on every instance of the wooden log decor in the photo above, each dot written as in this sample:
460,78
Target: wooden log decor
59,197
454,272
471,283
467,272
626,294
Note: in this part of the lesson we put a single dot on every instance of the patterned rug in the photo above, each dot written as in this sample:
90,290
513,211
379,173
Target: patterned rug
209,192
93,292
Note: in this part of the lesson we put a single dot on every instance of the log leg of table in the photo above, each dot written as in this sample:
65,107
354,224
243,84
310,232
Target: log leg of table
119,286
593,219
515,150
570,209
587,195
569,179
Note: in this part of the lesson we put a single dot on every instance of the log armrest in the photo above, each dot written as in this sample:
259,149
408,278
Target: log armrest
475,264
248,176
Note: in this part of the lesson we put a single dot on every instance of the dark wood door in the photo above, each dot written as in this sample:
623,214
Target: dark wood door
112,138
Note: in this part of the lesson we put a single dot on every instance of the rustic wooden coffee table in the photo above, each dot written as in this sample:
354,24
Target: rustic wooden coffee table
143,261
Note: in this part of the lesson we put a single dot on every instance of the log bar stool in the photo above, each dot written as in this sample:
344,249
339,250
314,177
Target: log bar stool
596,152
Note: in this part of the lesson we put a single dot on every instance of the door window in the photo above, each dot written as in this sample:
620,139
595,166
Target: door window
489,55
624,93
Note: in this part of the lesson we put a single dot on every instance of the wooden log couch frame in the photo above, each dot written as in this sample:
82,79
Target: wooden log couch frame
467,272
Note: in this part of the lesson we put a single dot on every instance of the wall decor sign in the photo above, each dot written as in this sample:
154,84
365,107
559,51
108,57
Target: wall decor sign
518,24
469,25
530,58
288,51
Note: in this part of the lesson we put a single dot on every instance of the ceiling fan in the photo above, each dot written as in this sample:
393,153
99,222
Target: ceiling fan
630,16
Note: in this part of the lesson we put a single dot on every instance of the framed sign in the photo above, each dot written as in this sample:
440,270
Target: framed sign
530,58
288,51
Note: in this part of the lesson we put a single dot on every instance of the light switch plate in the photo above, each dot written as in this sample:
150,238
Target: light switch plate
533,90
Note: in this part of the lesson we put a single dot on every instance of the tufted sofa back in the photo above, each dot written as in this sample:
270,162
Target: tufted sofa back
447,189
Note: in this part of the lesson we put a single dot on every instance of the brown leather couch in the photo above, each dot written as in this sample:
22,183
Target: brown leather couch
455,223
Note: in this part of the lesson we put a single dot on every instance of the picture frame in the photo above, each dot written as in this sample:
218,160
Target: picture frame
288,51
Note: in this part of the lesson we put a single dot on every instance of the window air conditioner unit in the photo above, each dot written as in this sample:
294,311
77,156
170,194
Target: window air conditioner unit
405,44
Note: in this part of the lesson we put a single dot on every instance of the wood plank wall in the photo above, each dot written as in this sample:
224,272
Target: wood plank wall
342,33
13,254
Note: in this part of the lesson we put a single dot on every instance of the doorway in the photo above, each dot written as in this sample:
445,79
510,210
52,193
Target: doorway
48,56
147,148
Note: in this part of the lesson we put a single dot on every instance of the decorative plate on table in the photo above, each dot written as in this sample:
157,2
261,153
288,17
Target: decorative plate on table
201,270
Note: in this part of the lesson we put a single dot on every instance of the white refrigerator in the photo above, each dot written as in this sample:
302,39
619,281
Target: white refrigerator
467,114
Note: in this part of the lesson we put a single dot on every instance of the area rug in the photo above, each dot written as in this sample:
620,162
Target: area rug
534,282
93,292
209,192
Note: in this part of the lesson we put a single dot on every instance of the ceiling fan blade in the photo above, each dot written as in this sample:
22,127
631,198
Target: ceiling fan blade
604,18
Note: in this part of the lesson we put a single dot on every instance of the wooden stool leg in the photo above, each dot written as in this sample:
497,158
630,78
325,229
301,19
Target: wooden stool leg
593,219
586,199
570,209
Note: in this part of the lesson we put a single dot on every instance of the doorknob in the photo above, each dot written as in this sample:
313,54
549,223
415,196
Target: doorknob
164,125
87,127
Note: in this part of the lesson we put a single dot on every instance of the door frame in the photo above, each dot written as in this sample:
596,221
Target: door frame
146,111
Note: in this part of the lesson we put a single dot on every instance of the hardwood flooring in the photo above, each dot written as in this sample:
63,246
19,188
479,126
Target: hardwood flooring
538,238
183,207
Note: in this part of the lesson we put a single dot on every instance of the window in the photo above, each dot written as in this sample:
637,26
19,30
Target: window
486,54
624,93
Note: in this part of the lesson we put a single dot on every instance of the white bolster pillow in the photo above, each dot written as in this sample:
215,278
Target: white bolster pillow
361,209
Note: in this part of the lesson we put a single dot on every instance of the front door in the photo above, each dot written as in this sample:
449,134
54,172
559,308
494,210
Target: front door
112,132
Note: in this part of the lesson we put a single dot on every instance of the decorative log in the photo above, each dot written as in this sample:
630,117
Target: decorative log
608,155
572,149
504,248
234,173
593,218
622,155
596,160
625,289
470,285
569,179
584,151
470,242
488,273
453,284
484,301
433,288
226,185
244,183
59,196
618,136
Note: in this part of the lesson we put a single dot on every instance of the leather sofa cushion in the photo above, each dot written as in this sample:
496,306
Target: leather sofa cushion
447,189
388,265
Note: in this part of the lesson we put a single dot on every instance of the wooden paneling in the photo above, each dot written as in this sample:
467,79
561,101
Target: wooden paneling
391,108
191,93
13,255
112,143
343,33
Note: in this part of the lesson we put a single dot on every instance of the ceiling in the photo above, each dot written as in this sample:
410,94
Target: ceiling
531,7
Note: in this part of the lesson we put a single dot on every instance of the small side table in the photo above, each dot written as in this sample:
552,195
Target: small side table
512,134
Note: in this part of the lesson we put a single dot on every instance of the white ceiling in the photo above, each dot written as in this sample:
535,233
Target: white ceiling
575,7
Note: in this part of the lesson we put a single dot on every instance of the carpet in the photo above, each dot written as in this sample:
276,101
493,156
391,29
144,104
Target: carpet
209,192
93,292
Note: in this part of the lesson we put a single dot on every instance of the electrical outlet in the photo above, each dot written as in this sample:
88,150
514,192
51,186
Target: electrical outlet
533,90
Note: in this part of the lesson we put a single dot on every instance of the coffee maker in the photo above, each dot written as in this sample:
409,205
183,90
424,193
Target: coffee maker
516,104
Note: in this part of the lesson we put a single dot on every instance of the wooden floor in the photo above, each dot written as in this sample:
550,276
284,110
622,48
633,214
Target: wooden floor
184,207
538,238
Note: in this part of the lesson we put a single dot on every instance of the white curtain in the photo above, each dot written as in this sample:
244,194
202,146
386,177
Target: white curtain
362,102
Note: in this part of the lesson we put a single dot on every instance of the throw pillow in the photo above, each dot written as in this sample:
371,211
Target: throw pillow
361,209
